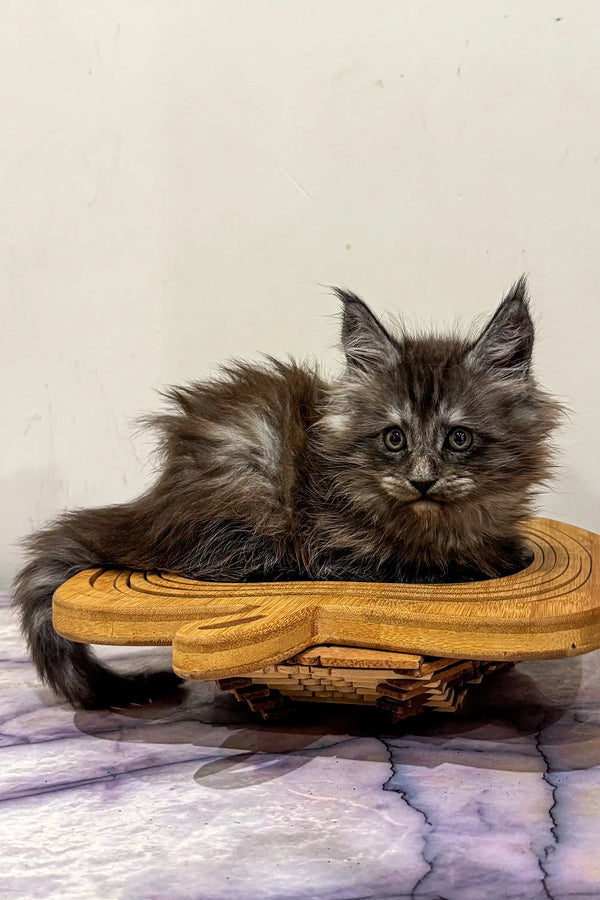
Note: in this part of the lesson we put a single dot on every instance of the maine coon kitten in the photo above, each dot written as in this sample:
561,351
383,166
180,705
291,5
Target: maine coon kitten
416,465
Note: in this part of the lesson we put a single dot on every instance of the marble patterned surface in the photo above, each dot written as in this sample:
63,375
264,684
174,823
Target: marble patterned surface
197,800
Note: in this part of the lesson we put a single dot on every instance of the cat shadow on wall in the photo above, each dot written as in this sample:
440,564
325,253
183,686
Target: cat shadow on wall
545,701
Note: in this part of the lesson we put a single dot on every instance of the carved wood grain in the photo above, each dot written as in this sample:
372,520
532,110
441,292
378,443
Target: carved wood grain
551,609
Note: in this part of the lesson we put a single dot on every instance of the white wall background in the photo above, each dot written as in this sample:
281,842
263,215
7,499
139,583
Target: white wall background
179,177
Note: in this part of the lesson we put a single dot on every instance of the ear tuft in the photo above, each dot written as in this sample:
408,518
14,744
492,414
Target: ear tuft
506,343
366,343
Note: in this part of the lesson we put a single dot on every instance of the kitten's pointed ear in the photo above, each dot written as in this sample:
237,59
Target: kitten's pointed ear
506,343
366,343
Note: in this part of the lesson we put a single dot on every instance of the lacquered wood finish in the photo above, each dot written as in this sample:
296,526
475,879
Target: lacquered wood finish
550,609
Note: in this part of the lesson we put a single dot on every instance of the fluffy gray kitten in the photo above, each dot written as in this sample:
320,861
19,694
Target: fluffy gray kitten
416,465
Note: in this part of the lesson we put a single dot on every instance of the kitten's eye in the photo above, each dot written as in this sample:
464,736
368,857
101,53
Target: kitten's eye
394,439
459,438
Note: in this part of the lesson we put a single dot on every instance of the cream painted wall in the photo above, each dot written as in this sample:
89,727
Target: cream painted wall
180,178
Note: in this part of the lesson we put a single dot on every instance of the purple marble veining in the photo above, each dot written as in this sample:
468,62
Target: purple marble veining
200,801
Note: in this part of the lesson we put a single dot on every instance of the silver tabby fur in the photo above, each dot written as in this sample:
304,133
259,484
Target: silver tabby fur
272,473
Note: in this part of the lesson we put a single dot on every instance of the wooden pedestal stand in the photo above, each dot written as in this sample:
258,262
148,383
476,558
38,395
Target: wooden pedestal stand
402,683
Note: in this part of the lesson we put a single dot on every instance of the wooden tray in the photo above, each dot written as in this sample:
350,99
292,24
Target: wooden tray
550,609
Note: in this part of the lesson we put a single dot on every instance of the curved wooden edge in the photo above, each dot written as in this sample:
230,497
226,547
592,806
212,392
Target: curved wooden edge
550,609
239,654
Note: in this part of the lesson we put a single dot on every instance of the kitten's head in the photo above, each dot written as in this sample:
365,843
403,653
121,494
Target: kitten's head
441,441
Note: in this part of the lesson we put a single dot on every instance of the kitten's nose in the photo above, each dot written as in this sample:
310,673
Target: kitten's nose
423,486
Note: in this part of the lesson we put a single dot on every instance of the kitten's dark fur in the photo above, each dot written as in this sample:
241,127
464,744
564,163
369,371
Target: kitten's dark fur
271,473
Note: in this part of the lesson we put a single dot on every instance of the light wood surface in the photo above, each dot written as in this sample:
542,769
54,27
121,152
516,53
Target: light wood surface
551,609
357,658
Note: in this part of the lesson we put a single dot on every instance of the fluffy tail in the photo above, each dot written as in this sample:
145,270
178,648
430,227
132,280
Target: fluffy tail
69,668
